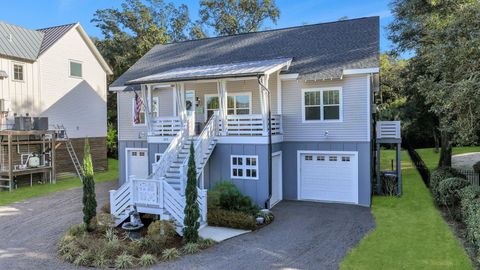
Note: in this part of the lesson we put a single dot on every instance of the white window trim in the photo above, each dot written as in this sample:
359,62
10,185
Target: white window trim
70,68
13,71
244,167
321,90
133,115
249,94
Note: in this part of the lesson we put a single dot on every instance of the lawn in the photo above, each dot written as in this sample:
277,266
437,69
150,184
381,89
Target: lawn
63,184
431,158
410,232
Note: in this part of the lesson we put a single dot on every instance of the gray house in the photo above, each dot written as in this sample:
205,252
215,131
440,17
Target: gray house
316,82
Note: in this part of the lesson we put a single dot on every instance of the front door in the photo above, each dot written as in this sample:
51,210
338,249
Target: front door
137,163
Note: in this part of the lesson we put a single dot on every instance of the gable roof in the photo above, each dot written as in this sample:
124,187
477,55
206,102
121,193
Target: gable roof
319,51
19,42
53,34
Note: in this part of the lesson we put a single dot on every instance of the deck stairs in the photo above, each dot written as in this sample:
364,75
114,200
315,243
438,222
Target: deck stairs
163,191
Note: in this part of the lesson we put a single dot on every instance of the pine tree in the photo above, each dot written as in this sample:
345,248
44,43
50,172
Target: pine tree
89,198
192,212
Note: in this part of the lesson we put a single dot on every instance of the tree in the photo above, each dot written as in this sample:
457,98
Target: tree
192,212
229,17
89,198
445,63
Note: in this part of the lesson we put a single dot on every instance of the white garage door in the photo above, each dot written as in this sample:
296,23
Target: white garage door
328,176
137,162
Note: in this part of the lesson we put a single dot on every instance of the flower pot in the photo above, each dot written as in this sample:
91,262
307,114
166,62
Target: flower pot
260,220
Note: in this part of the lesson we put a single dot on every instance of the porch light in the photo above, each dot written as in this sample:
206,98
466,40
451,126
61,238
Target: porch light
3,74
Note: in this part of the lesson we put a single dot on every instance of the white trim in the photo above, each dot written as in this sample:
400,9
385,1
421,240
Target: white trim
249,94
248,139
244,167
94,49
70,61
126,158
369,117
159,139
174,95
16,63
299,154
133,114
360,71
116,88
279,94
279,153
321,90
292,76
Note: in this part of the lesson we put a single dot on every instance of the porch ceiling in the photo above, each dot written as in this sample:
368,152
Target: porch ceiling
224,71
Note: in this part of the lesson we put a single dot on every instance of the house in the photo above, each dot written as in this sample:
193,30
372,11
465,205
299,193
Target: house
55,73
316,82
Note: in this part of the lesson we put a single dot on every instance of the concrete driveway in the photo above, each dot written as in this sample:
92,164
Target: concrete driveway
305,235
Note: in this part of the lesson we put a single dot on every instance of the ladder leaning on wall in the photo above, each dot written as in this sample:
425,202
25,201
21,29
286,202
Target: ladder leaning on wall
63,136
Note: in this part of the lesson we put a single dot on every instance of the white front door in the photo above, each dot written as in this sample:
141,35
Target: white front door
276,179
137,162
328,176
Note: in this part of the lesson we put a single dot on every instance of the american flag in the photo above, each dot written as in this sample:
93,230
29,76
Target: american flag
137,109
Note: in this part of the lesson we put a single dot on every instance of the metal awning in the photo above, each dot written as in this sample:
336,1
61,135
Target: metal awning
3,74
234,70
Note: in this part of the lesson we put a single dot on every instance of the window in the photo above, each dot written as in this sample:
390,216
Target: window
346,159
322,104
320,158
237,103
245,167
75,69
18,72
332,158
308,158
134,153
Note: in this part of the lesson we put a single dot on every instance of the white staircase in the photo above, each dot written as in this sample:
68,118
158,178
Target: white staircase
163,192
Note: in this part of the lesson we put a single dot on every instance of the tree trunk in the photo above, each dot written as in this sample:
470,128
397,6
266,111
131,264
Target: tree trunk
445,151
435,139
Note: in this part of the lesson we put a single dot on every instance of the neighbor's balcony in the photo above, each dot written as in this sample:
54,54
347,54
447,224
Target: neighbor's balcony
235,125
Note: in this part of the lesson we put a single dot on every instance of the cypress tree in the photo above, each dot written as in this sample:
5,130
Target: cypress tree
192,212
89,198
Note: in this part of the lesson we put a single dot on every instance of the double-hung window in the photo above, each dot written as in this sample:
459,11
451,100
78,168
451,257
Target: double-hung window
237,103
75,69
18,72
324,104
244,167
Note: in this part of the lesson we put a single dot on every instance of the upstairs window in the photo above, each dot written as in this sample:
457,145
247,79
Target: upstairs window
18,72
322,104
75,69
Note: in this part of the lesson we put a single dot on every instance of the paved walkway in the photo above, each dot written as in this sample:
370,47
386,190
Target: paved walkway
30,230
304,235
465,161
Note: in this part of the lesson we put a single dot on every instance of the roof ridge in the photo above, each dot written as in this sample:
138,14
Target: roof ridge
56,26
269,30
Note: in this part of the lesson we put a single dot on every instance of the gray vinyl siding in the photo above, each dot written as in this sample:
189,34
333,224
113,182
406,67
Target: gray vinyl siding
354,126
165,99
218,169
290,170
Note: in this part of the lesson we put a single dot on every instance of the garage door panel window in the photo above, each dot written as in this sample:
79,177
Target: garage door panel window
322,104
244,167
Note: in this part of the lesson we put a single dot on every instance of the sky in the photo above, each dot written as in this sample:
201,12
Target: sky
35,14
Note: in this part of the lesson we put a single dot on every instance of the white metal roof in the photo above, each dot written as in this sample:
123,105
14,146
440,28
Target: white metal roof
241,69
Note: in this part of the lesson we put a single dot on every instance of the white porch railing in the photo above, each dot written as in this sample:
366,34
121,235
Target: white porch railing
165,126
388,130
250,125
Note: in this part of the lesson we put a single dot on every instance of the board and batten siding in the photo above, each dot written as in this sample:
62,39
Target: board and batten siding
355,125
77,103
24,96
126,129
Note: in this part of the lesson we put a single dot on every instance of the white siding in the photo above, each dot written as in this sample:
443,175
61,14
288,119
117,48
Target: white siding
23,96
77,103
355,111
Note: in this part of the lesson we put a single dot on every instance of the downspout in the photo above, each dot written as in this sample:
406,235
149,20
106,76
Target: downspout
267,201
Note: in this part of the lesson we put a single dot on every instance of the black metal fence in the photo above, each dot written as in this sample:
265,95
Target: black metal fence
420,165
471,175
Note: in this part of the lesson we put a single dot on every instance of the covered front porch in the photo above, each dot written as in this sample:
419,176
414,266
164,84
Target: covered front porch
244,98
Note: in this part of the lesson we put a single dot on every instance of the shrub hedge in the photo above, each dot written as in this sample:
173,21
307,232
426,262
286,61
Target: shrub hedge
449,189
438,176
231,219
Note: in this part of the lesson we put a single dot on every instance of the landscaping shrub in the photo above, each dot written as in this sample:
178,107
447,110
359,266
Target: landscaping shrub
170,254
449,194
476,167
105,208
161,232
226,196
206,243
231,219
147,260
438,176
77,229
124,261
213,199
190,248
89,198
470,209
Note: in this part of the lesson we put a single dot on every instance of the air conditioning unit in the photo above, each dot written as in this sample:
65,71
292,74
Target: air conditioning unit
23,123
4,106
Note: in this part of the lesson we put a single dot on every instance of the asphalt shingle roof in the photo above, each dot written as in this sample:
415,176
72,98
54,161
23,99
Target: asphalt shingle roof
319,51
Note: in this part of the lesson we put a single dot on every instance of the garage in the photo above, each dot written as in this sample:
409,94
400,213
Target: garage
136,162
328,176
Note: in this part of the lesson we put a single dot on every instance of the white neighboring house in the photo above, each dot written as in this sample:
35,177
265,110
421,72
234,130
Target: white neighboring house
55,72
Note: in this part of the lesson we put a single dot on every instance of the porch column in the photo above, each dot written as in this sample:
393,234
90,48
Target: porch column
264,102
146,92
222,104
180,101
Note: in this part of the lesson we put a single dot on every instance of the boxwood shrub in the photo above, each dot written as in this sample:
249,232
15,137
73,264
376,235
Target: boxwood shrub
448,192
469,197
231,219
438,176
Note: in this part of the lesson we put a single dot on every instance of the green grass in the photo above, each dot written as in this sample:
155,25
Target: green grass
24,193
410,232
431,158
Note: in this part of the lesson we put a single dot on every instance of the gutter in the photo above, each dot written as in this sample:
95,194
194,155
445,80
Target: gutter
267,201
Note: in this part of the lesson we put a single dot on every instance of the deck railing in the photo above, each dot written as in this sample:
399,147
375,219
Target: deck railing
388,130
250,125
165,126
